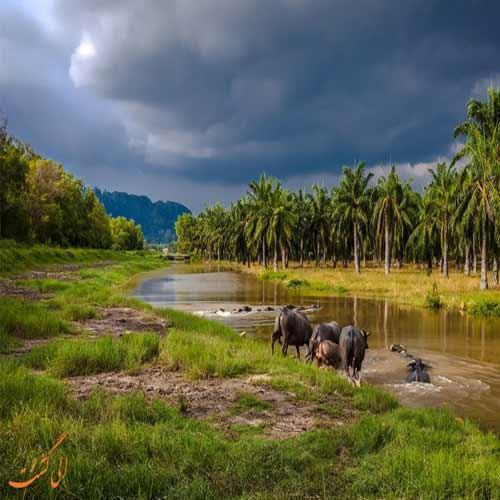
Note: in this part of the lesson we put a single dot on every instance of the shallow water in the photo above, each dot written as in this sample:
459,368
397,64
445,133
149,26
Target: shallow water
464,352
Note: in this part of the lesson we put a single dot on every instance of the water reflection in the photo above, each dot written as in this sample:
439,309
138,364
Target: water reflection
464,351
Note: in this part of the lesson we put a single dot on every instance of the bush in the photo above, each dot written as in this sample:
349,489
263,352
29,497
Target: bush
298,283
433,299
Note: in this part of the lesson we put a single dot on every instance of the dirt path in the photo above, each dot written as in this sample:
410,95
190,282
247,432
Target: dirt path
119,320
215,400
9,288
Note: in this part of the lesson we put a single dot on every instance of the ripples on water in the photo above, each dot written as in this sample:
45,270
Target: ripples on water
464,352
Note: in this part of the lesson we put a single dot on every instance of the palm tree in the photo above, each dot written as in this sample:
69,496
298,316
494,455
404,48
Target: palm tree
443,189
302,208
352,204
482,129
258,225
388,191
423,238
319,200
281,220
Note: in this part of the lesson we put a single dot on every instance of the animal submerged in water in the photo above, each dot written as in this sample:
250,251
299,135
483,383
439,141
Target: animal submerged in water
417,372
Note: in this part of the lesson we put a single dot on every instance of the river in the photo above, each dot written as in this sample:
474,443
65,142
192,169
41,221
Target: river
463,351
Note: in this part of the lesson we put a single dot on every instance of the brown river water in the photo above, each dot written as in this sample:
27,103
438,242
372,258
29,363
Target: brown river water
463,351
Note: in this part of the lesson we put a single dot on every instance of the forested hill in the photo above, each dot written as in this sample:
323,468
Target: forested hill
156,219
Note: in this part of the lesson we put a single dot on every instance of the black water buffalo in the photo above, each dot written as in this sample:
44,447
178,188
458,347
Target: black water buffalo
417,373
324,331
293,328
353,343
328,353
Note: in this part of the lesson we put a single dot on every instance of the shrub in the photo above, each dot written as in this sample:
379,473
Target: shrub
433,299
298,283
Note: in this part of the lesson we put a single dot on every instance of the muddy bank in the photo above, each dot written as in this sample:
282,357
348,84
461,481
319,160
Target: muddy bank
119,320
216,399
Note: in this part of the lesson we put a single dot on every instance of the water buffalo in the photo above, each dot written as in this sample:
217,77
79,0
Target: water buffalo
323,331
353,343
328,353
293,328
417,373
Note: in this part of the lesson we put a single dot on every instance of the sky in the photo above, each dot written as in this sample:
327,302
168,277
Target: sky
189,100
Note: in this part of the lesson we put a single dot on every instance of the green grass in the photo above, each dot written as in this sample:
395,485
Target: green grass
247,402
69,358
135,447
132,447
30,320
15,257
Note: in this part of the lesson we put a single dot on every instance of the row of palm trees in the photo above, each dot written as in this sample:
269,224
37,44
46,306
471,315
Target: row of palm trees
452,219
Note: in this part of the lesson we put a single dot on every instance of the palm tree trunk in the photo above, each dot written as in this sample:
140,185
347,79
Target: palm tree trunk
474,253
275,256
356,249
495,270
483,285
264,261
387,244
301,251
317,250
467,259
283,257
445,250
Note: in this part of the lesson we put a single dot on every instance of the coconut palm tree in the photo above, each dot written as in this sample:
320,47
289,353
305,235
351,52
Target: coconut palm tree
281,222
443,189
424,237
482,129
302,208
388,191
320,205
258,224
352,204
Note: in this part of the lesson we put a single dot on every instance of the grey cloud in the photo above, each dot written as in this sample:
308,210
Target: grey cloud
213,92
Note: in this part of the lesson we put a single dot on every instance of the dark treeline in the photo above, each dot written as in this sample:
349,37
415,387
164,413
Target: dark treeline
390,223
42,203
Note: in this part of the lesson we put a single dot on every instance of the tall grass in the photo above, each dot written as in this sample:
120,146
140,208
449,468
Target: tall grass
30,320
85,357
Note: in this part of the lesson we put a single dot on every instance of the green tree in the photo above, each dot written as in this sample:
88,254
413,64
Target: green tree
481,129
352,204
443,190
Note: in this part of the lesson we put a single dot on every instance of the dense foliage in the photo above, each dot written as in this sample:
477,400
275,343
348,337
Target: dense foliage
157,219
42,203
454,218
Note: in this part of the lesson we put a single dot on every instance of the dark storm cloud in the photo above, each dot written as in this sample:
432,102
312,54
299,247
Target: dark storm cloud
191,91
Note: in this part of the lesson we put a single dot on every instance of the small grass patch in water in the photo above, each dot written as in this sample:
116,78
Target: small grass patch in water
298,283
485,306
268,275
433,298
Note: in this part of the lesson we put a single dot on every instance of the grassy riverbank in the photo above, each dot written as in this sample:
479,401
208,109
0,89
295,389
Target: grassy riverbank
409,286
131,441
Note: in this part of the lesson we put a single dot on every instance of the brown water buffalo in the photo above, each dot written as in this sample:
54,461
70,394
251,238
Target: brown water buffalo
293,328
353,343
417,373
328,353
323,331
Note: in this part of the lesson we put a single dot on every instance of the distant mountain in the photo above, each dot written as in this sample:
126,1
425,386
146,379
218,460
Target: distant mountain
156,219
